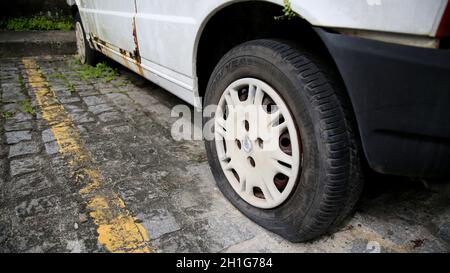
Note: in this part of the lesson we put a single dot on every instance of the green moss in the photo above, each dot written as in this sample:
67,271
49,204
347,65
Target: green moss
21,82
101,72
37,23
77,61
27,108
121,83
8,114
71,87
59,75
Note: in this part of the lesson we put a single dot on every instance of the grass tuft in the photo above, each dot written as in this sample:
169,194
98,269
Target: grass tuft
101,72
27,108
8,114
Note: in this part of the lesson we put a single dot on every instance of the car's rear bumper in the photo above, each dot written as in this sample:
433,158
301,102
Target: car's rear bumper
401,99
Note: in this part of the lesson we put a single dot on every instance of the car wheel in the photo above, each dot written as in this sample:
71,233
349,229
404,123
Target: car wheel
86,54
284,150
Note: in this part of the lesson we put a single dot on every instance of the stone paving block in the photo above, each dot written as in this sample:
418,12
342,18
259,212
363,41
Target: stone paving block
100,108
266,242
101,85
105,151
142,98
150,104
75,79
121,129
65,100
11,125
57,88
76,246
110,116
81,117
51,148
55,83
73,108
61,91
444,232
7,77
94,100
186,199
12,93
86,92
23,148
109,90
25,165
223,232
159,223
363,246
11,107
82,129
137,194
10,75
47,136
119,98
36,206
17,136
29,184
20,117
178,242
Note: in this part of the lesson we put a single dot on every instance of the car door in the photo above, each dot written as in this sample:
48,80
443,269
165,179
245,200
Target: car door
109,21
166,33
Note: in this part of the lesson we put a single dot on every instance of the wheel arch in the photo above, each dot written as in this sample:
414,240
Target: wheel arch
204,61
73,7
298,31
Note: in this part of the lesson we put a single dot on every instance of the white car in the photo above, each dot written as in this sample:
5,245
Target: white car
343,84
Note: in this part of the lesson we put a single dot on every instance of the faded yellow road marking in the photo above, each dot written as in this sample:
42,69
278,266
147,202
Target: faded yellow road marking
117,228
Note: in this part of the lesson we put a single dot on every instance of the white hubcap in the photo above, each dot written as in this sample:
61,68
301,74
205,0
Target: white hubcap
257,143
247,144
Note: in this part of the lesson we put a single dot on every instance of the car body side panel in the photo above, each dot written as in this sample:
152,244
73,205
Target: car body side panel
168,31
109,20
416,17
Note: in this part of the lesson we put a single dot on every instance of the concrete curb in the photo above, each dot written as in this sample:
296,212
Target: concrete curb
35,43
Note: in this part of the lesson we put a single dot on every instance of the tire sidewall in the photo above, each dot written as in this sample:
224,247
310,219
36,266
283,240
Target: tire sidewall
90,53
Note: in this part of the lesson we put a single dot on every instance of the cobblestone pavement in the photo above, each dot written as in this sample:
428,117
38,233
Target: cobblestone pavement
89,165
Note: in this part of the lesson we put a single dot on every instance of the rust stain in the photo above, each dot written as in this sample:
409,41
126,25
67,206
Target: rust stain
136,55
124,61
97,40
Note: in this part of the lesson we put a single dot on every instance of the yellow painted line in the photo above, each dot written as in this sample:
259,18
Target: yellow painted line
117,228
